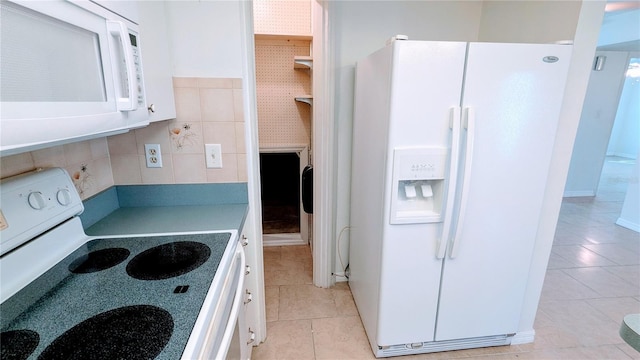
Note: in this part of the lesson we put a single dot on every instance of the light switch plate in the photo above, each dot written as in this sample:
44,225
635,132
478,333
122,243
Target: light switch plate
213,153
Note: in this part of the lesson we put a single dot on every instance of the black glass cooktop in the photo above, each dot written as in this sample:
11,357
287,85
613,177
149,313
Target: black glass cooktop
114,299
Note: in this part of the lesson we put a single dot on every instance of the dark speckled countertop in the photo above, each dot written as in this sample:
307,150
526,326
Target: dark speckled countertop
70,298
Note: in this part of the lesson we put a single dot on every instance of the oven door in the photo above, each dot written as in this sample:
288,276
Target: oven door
221,337
68,71
232,323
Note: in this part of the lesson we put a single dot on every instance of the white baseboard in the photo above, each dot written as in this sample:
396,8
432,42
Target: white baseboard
579,193
282,239
523,337
628,224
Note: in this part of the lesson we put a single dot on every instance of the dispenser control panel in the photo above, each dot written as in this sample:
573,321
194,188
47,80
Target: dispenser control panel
418,184
424,166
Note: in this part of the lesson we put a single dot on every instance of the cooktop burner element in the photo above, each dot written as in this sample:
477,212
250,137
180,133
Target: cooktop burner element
98,260
18,344
132,332
168,260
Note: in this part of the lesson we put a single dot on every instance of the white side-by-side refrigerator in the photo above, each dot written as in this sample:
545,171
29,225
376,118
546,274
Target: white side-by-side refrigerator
452,144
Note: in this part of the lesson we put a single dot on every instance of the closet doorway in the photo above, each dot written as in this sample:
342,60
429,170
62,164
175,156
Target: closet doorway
284,221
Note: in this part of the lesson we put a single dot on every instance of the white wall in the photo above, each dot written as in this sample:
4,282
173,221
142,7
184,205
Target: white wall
545,21
205,38
624,139
630,215
620,28
596,122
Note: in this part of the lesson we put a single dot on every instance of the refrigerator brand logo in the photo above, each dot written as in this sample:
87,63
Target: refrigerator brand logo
550,59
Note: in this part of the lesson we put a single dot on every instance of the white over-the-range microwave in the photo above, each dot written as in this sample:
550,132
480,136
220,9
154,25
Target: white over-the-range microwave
69,70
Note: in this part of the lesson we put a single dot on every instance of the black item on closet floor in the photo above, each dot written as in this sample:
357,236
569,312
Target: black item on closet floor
307,189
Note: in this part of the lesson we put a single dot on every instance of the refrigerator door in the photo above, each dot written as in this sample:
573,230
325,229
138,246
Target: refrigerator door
404,98
511,103
426,83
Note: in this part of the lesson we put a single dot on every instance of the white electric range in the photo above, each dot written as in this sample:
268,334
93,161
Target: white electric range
64,294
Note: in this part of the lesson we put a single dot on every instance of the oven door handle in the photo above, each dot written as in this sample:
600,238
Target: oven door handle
235,310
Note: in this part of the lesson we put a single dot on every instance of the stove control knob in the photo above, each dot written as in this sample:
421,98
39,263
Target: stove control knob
36,201
64,197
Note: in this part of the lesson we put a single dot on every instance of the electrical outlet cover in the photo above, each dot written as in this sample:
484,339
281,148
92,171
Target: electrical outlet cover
153,155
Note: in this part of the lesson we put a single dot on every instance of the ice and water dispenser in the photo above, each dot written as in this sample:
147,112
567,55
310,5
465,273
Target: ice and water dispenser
418,185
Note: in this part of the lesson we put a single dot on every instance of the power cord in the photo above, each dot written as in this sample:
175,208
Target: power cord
344,269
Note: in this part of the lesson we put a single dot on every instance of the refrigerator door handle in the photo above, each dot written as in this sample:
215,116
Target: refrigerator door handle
454,124
469,124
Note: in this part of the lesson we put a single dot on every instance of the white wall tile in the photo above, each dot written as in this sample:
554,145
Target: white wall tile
187,104
123,144
186,137
163,175
126,169
155,133
189,168
217,104
241,147
16,164
223,133
228,172
76,153
49,157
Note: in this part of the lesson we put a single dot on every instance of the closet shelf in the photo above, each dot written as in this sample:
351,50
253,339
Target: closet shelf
287,37
307,99
303,62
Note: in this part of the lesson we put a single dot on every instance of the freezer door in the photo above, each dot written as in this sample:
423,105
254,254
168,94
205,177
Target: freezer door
403,99
511,104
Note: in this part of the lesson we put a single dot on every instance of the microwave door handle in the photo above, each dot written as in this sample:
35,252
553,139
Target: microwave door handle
124,102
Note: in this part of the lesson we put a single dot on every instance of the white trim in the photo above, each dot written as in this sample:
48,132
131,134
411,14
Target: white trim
253,223
323,151
282,239
523,337
628,224
579,193
303,153
280,148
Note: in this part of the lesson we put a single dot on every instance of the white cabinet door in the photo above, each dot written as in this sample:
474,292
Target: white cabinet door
252,295
156,60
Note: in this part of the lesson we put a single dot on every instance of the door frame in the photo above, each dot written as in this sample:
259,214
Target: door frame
322,142
323,147
301,238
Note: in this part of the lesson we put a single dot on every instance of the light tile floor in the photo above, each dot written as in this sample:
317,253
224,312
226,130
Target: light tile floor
593,280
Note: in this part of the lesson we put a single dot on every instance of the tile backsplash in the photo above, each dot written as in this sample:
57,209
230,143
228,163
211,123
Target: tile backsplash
87,162
208,111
